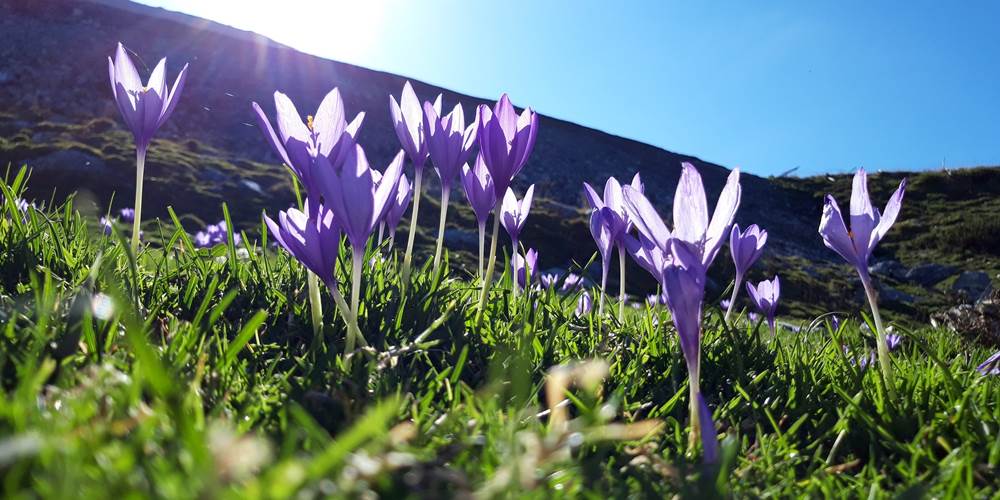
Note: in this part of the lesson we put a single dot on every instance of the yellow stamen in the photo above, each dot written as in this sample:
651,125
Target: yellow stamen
309,122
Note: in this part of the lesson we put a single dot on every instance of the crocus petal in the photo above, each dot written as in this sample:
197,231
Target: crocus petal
709,438
690,206
125,72
269,134
864,218
645,217
506,117
175,92
386,188
157,80
592,197
329,122
722,218
834,233
602,235
888,216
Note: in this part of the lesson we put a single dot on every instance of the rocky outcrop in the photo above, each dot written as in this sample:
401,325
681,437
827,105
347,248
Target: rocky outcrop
972,285
979,322
928,275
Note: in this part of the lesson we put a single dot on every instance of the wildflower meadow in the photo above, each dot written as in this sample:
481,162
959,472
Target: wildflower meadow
316,354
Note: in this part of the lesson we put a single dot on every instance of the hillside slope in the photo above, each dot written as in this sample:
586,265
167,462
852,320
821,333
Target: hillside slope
57,115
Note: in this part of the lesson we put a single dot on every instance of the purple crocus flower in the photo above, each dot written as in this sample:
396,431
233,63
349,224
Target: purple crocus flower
523,268
868,227
478,187
584,305
615,219
548,280
991,366
314,242
145,108
127,214
106,225
618,220
746,247
684,282
353,195
408,121
765,296
298,143
449,143
692,224
215,234
506,140
571,282
514,213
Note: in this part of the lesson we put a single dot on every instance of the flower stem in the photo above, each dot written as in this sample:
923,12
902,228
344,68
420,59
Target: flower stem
694,386
482,245
621,284
315,306
381,233
883,348
353,332
445,192
408,256
488,275
732,298
513,271
140,166
604,285
352,313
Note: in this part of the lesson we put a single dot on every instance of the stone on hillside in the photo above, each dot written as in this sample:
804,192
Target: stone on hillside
890,295
890,269
69,160
972,284
461,238
929,275
979,322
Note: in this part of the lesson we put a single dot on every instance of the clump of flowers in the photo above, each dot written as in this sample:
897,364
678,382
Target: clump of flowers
215,234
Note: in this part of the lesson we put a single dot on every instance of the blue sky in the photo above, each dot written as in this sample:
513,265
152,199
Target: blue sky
766,86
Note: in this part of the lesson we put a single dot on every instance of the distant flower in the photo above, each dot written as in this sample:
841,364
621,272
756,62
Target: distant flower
725,303
106,225
478,187
314,242
991,366
514,213
893,341
215,234
505,141
408,121
584,305
127,214
572,282
746,247
143,107
655,299
613,204
523,275
548,280
868,227
765,296
449,141
835,323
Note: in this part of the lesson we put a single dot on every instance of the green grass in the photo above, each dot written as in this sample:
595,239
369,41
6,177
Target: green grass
195,373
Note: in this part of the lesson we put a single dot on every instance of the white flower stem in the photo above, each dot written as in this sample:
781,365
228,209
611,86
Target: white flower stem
732,298
408,256
315,306
140,166
513,271
883,348
488,275
604,285
482,245
694,386
445,193
621,284
351,315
